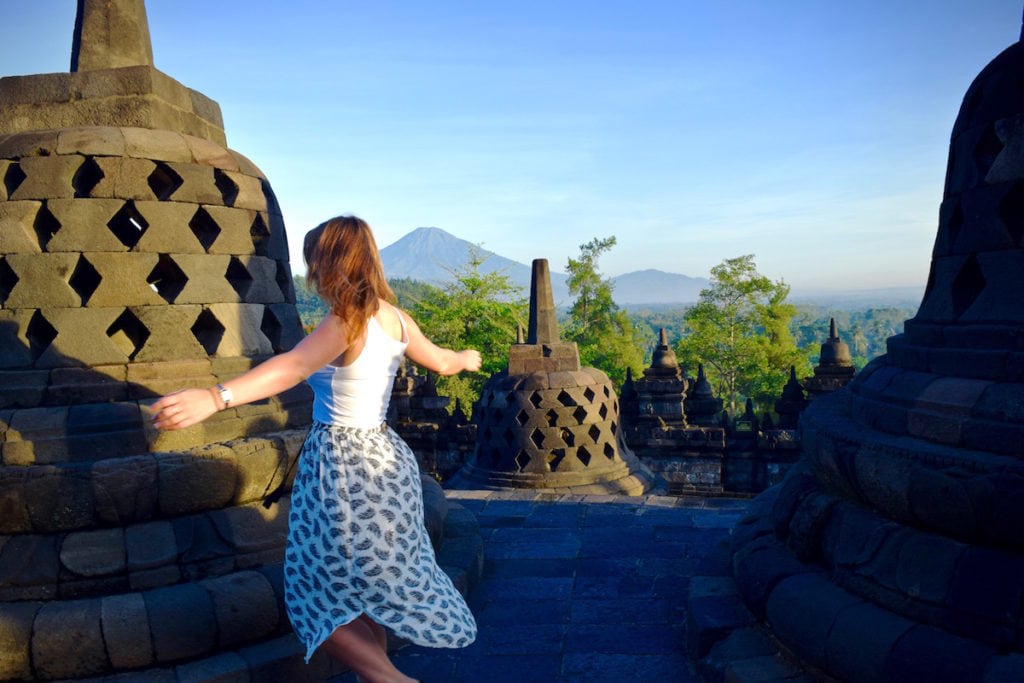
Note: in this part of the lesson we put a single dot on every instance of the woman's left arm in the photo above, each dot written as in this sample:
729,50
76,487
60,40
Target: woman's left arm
429,355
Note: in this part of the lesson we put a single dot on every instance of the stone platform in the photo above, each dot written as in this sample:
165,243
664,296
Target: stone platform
583,588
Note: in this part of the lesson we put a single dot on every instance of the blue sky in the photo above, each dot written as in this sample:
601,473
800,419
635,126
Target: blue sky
811,133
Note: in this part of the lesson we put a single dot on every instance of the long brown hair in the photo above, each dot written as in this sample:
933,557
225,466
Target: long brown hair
343,266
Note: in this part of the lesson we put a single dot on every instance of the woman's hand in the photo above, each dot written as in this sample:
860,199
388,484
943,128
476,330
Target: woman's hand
183,408
471,360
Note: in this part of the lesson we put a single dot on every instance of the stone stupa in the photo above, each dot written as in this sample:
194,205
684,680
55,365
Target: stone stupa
548,423
895,550
138,254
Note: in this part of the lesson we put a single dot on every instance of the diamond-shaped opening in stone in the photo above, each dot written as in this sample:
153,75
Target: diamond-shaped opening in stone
86,178
580,414
167,279
497,413
1011,212
13,178
521,460
537,437
8,279
40,334
271,328
551,417
568,437
509,436
163,181
508,398
615,428
589,394
987,149
84,280
486,433
566,399
260,235
603,411
128,225
583,455
208,331
609,451
522,418
535,399
283,278
594,433
228,188
607,392
45,225
239,278
554,460
128,334
967,285
204,228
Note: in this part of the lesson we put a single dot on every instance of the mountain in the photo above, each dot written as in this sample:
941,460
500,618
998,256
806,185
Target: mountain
431,254
656,287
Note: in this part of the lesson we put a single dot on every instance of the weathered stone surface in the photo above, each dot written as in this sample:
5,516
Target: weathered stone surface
94,553
86,337
167,230
17,235
150,545
105,141
190,483
125,624
83,225
160,145
47,177
59,498
229,667
123,279
181,621
170,336
124,178
861,641
210,153
250,528
245,607
67,641
124,489
42,280
16,620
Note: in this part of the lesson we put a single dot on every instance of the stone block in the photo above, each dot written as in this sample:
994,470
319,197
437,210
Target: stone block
189,483
209,153
182,621
760,566
861,641
104,141
86,337
199,541
264,288
47,177
170,335
711,618
807,524
801,611
228,667
242,335
168,231
28,144
70,386
67,641
124,178
250,192
149,545
289,326
251,528
59,498
17,234
204,279
234,224
159,145
145,579
924,653
17,352
260,470
197,184
281,659
939,501
97,552
16,620
125,625
84,225
125,489
245,607
123,280
245,166
32,423
42,280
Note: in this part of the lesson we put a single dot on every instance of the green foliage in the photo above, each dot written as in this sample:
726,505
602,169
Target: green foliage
311,307
739,330
604,333
475,310
864,330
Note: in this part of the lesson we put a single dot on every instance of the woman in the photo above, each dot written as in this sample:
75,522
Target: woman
358,556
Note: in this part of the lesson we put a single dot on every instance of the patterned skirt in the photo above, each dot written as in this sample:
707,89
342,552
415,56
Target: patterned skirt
357,543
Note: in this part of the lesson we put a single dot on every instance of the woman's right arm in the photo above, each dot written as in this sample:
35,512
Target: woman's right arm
187,407
437,359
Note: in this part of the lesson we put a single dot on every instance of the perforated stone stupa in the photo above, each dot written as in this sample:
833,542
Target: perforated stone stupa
138,254
546,422
895,551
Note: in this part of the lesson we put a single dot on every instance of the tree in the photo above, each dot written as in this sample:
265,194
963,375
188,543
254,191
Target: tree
604,334
740,331
474,310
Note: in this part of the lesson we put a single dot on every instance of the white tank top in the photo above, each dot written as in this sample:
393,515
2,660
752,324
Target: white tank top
357,395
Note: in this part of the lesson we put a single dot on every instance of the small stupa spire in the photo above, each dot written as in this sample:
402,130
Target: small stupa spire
543,324
110,34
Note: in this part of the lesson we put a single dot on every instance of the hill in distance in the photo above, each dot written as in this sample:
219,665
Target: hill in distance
431,255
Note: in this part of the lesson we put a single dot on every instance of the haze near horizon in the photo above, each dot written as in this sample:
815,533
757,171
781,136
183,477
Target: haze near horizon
811,134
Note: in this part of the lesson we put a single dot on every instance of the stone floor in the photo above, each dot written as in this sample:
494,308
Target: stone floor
580,588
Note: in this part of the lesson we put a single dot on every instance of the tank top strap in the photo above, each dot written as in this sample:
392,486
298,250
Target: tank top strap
401,321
